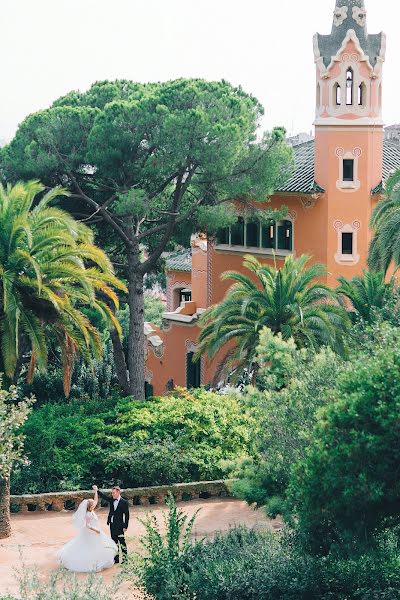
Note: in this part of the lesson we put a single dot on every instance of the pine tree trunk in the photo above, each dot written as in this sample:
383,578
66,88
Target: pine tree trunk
5,525
136,361
121,368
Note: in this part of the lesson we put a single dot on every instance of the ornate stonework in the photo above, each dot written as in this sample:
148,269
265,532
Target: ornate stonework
340,15
308,203
360,16
190,346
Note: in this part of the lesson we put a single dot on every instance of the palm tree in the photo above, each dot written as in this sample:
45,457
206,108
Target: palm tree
290,301
385,245
49,271
366,293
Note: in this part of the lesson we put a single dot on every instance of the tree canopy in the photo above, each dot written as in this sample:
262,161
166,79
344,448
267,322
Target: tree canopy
145,160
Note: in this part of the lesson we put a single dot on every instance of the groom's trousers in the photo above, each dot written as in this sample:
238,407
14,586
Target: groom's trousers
118,536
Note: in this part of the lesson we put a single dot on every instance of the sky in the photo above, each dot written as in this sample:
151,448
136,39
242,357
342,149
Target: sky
49,47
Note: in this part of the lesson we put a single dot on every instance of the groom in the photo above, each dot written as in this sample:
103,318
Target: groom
118,518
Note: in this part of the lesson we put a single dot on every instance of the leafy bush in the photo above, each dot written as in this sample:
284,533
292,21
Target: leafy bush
161,571
258,565
182,437
149,462
348,486
292,386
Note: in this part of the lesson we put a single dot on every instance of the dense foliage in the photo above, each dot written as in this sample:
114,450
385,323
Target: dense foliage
289,300
259,566
50,270
347,487
182,437
142,161
291,387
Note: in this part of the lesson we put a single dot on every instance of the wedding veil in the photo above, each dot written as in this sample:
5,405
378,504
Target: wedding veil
79,518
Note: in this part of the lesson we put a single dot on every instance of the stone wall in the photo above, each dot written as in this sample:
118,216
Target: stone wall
58,501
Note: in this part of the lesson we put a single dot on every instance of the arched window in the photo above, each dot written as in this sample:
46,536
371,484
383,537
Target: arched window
362,93
337,95
349,86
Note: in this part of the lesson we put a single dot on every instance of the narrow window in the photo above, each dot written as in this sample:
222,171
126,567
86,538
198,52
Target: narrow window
380,96
193,372
347,243
285,235
237,233
268,235
318,95
349,87
253,234
361,94
148,390
348,169
223,236
337,94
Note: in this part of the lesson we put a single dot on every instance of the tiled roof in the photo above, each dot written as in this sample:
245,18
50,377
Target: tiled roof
302,179
391,159
181,261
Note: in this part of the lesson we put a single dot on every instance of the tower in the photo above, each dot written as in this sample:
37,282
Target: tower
348,133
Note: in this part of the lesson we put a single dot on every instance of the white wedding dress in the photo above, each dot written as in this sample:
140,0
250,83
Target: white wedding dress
88,551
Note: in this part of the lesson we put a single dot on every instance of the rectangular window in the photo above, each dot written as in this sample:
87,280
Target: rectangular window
223,236
193,372
237,233
348,169
253,235
347,243
285,236
268,235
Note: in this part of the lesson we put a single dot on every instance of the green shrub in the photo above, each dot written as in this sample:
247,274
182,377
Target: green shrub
258,565
183,437
150,462
348,485
292,387
161,570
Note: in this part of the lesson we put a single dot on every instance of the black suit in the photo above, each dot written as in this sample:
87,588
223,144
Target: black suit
118,520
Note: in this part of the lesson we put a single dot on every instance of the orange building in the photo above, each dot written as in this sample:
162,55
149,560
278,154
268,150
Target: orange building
337,180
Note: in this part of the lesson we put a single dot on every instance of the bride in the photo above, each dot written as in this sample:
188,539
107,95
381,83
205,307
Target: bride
91,550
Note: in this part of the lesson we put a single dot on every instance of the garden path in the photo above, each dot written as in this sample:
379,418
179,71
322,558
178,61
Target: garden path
37,536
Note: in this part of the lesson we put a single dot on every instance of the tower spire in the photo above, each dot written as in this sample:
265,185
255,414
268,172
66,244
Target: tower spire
350,14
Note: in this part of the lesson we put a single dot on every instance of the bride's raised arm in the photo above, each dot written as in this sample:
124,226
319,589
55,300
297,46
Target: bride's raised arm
96,496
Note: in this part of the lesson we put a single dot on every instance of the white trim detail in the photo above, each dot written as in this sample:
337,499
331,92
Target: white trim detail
360,16
340,15
351,36
342,155
347,259
148,375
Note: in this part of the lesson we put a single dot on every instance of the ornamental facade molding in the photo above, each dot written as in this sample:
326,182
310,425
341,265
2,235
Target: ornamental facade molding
360,16
340,15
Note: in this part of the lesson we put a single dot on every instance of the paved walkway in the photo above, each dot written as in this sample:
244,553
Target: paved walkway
37,536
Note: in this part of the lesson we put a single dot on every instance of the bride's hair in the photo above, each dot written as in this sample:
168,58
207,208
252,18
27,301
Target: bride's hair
90,505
